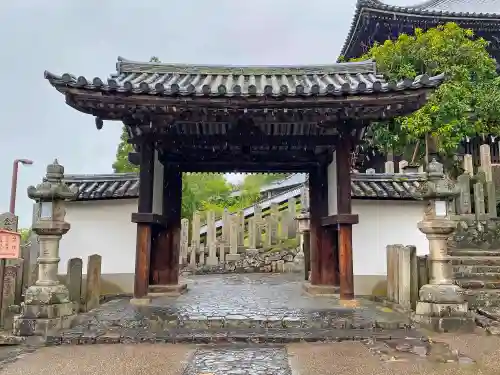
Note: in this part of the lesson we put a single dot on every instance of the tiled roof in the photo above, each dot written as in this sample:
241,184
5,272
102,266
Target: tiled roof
232,81
456,8
463,10
363,186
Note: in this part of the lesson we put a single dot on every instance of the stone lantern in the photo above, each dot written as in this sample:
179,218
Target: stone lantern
47,305
441,305
303,220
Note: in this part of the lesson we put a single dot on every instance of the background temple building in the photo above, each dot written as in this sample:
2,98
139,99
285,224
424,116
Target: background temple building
376,21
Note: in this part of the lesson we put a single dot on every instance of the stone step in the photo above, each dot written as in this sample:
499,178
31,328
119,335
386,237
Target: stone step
223,336
474,283
474,252
482,297
483,276
477,268
476,261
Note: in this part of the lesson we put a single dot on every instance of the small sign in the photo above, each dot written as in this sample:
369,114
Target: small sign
10,244
440,208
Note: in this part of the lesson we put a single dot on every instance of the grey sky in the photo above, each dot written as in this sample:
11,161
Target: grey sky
85,38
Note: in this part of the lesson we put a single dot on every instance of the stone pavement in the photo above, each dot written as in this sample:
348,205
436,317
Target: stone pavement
479,357
255,308
248,324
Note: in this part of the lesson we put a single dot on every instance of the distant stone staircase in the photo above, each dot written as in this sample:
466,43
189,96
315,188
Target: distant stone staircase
478,273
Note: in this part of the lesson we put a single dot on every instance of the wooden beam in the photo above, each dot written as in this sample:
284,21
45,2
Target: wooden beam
246,167
169,141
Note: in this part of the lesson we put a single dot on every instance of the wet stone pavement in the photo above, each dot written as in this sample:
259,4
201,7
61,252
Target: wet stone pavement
253,308
239,361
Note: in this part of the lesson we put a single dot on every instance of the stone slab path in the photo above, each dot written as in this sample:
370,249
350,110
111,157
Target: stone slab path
256,308
452,355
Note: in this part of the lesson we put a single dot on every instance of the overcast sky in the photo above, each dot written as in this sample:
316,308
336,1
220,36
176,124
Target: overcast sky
86,37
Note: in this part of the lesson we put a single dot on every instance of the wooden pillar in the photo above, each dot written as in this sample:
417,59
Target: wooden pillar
166,244
315,211
307,254
345,219
144,228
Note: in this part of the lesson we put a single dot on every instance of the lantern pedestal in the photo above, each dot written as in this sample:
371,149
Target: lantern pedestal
441,306
47,306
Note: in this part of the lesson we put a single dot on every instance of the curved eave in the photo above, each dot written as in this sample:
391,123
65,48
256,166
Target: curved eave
375,6
68,84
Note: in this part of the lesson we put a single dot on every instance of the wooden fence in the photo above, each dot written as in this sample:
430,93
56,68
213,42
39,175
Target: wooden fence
406,273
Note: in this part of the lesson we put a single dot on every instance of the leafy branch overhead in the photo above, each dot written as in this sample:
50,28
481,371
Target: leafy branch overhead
467,104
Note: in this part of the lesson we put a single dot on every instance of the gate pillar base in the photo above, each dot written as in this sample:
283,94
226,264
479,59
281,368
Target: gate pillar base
167,290
320,290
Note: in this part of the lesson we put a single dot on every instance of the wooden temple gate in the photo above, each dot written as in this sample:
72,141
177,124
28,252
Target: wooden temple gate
186,118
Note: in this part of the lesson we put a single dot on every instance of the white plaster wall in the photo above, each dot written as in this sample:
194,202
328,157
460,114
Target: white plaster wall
382,223
332,186
104,228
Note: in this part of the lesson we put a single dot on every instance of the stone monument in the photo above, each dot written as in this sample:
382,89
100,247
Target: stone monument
47,305
441,305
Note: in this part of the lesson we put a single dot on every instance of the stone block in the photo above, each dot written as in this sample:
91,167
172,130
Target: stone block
40,327
93,286
404,277
280,266
48,311
212,261
74,280
233,257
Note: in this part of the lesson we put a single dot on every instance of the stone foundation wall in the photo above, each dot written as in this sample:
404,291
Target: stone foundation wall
253,260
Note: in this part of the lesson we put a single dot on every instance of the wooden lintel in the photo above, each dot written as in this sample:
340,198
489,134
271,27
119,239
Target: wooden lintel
332,220
246,167
168,140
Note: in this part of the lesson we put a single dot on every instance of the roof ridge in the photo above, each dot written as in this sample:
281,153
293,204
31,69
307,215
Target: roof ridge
124,65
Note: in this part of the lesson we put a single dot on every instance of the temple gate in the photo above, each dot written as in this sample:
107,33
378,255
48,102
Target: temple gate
199,118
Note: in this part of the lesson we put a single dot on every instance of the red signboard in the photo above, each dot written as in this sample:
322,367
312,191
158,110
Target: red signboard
10,244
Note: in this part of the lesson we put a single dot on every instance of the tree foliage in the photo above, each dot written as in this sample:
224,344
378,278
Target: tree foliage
467,104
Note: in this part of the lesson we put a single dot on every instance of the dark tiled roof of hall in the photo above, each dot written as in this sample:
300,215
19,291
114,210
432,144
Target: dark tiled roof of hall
444,8
363,186
353,78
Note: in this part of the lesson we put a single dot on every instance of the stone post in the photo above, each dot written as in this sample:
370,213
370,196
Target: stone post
211,230
226,225
201,258
252,233
273,222
441,305
292,213
241,231
212,259
184,241
302,258
195,235
222,253
233,240
47,304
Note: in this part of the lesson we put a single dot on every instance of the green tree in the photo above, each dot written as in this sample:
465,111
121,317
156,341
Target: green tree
465,105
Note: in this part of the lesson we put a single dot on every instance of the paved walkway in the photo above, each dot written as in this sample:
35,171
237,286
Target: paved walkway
243,307
356,358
